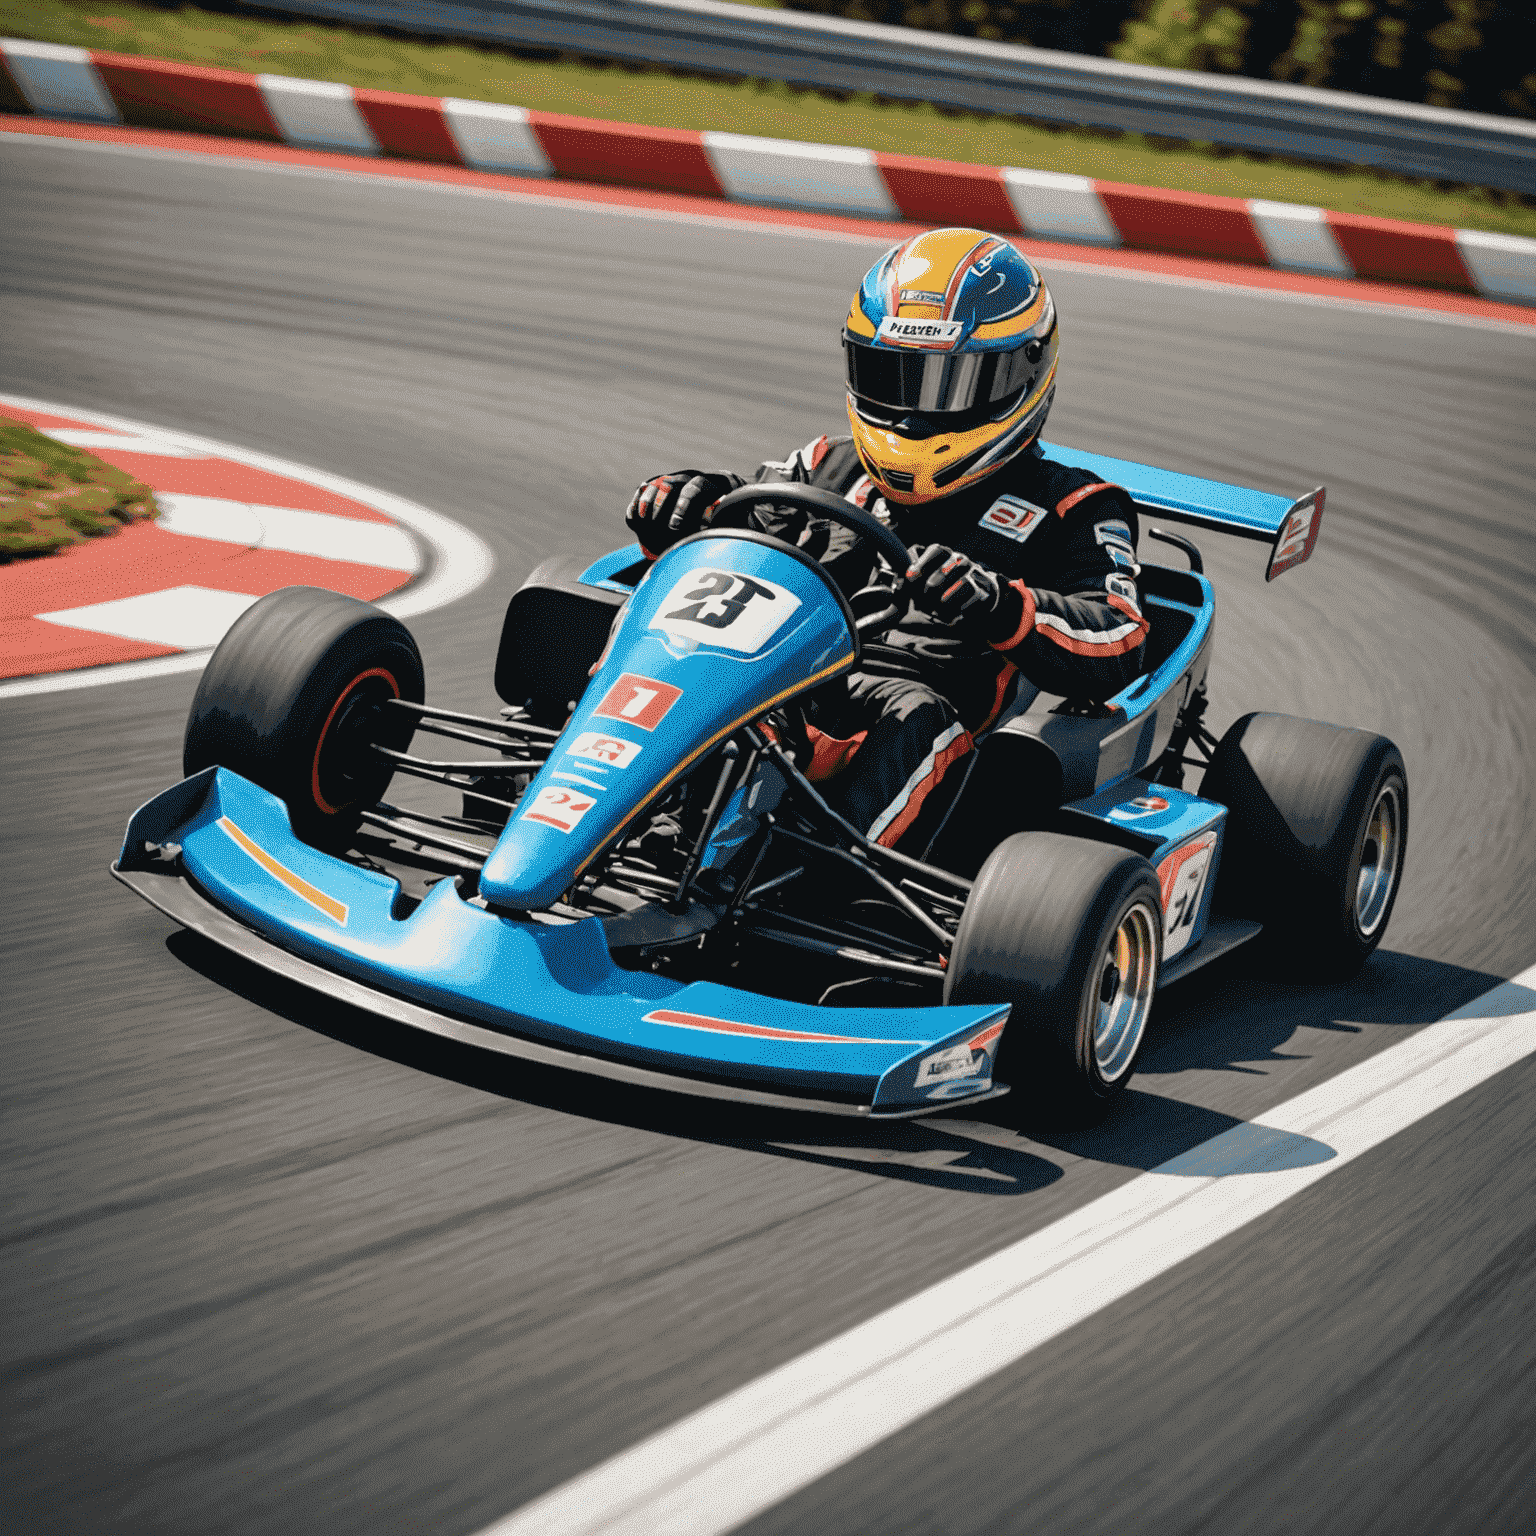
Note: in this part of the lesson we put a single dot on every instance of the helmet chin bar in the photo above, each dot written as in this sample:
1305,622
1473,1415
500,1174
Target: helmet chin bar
919,426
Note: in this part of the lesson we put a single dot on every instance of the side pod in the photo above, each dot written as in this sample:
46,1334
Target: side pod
555,629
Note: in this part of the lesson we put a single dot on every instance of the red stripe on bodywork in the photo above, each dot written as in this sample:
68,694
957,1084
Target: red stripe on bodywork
1395,250
154,93
626,154
1191,223
412,126
715,1026
947,192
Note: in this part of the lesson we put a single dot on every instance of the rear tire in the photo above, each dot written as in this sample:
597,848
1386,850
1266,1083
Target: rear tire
1317,829
293,696
1069,932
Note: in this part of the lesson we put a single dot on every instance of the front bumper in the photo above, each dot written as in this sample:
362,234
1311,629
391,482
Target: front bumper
216,854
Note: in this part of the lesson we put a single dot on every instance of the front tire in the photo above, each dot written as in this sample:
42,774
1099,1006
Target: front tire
1317,830
293,697
1069,932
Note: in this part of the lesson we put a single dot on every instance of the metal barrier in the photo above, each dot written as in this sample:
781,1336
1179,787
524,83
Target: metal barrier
829,52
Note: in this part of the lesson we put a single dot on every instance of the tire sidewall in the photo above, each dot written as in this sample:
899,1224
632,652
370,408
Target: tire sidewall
1034,933
275,691
1295,835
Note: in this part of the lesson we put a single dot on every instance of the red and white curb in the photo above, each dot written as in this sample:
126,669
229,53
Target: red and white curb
91,85
158,596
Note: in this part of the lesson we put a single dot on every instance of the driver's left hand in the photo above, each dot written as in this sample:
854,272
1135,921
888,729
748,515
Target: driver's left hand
953,588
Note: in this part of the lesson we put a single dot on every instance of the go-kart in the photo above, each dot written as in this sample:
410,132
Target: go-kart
633,877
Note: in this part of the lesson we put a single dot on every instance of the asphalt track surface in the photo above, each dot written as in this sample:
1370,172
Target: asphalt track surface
272,1265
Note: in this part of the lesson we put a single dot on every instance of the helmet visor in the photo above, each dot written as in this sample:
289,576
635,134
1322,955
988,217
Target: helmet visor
942,381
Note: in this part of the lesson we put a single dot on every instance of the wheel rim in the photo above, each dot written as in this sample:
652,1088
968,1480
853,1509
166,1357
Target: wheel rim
1380,855
1127,978
343,738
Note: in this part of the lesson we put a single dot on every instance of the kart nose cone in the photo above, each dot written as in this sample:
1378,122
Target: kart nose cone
722,628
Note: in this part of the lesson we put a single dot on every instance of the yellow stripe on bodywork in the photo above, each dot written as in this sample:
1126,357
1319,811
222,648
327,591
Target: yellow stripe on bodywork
333,909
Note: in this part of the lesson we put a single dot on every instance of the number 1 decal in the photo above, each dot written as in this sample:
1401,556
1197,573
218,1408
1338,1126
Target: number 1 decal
639,700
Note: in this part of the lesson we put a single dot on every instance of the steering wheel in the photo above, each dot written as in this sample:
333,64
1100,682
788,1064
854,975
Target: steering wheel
821,503
881,607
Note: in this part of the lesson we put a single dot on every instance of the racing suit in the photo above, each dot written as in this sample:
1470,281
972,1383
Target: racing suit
890,733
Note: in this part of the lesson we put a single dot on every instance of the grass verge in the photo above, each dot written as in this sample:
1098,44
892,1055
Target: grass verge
664,98
52,495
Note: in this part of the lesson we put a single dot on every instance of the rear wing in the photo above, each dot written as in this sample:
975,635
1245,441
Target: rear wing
1290,528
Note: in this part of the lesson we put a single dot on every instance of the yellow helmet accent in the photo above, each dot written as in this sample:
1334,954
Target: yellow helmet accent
951,346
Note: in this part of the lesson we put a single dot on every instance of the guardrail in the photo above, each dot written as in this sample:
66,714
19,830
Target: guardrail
804,49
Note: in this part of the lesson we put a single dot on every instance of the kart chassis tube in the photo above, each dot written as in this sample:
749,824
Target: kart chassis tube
179,900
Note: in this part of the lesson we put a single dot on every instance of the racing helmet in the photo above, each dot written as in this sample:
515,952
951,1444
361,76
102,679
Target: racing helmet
951,350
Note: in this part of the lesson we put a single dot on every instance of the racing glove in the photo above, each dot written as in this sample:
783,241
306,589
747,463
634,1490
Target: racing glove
954,589
670,507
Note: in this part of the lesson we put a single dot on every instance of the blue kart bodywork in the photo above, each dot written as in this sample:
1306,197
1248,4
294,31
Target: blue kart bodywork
724,627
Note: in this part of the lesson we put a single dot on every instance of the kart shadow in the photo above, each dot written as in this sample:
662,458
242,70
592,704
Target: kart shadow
1222,1019
911,1151
1230,1018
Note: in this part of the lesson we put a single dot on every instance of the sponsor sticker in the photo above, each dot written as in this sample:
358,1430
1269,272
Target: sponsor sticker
943,1066
642,701
1013,517
1142,805
720,608
921,296
1297,537
559,808
599,747
920,333
1182,876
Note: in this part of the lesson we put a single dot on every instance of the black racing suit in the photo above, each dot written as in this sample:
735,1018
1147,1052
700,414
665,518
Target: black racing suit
1064,539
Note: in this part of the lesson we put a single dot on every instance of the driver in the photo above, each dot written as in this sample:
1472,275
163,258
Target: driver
1019,566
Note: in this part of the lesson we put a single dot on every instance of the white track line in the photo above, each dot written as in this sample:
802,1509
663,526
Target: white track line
750,1450
460,560
1047,260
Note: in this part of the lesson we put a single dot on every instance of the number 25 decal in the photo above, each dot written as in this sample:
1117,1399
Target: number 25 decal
723,609
719,598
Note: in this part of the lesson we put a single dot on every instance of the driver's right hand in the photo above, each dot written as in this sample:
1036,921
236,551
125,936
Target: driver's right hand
670,507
